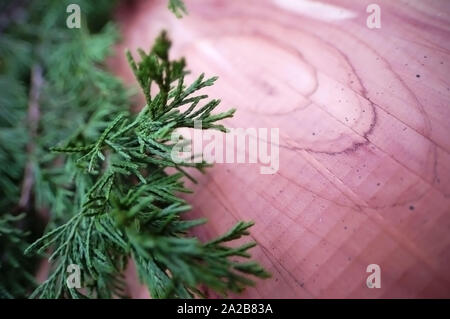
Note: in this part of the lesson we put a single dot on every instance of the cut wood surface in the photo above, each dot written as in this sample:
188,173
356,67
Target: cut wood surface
364,123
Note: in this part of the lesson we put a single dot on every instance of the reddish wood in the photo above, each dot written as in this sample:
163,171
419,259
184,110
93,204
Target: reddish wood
364,137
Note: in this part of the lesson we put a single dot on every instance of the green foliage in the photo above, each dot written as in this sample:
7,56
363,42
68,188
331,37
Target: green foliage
177,7
12,136
128,203
76,93
15,269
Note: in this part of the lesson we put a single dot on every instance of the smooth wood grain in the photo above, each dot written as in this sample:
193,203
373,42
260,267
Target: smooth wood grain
363,114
